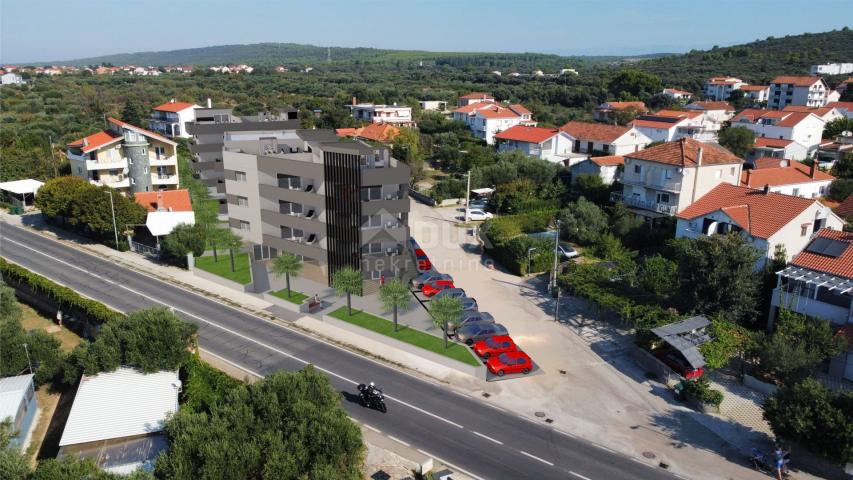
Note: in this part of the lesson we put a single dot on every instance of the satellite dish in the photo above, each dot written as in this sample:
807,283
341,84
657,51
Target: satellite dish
847,133
124,170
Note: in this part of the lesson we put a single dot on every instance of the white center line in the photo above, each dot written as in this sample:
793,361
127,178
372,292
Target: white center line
398,440
487,437
546,462
579,475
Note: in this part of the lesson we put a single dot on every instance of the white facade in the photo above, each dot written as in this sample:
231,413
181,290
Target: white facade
11,79
695,128
791,151
554,149
485,119
393,114
433,105
631,141
676,94
760,94
608,173
786,91
807,132
832,69
172,124
720,88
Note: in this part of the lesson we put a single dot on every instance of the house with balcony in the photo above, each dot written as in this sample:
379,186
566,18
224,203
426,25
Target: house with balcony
827,113
607,168
125,157
677,94
598,138
834,150
804,128
333,203
756,93
793,90
170,119
818,283
669,125
400,116
606,112
767,219
720,88
485,119
665,179
795,179
475,97
544,143
716,113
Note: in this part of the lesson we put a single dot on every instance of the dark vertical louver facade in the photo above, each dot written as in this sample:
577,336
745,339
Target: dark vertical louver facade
343,210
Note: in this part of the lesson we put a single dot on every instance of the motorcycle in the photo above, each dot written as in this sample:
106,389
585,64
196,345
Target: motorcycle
371,399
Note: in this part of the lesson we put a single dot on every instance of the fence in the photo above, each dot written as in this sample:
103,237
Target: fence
143,249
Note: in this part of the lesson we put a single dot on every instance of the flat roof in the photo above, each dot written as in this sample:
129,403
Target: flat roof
12,391
20,187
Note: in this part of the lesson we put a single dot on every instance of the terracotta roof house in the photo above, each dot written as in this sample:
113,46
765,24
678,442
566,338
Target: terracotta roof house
769,220
795,179
166,210
170,118
591,138
677,94
486,118
804,128
475,97
545,143
845,108
608,168
756,93
603,112
720,88
845,210
669,125
827,114
376,132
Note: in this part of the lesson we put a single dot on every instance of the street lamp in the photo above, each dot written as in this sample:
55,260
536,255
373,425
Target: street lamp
528,258
113,210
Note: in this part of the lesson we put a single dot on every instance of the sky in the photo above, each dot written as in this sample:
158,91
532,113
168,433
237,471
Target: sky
47,30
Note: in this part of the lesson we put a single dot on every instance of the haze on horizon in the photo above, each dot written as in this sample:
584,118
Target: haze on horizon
56,30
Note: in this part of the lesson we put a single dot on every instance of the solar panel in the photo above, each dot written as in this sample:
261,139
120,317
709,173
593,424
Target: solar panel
818,245
835,248
827,246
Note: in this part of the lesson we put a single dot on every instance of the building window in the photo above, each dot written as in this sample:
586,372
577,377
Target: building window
732,171
289,208
371,193
667,174
638,169
371,221
796,192
291,233
240,176
804,229
369,248
289,181
663,198
243,201
159,152
718,174
245,226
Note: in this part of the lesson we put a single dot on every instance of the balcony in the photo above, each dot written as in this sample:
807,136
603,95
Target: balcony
164,179
163,161
99,165
665,208
653,180
386,251
810,307
120,181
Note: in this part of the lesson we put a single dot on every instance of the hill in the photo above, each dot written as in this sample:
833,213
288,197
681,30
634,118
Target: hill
757,62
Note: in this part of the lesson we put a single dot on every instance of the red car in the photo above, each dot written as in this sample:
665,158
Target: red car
423,261
678,363
509,362
494,346
431,288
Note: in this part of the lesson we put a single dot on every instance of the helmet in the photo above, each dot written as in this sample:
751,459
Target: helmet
372,385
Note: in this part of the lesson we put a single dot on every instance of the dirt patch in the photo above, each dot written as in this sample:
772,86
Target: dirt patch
31,319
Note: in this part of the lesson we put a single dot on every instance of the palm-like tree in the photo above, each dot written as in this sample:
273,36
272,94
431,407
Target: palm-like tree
347,281
232,242
286,264
445,310
395,295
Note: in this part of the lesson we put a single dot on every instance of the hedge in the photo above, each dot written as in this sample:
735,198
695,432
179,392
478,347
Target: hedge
506,242
67,298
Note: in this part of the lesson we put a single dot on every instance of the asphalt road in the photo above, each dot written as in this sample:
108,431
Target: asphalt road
476,438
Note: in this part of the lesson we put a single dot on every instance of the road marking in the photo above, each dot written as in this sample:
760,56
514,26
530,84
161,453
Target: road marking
605,448
579,475
237,334
487,437
637,460
536,458
374,429
398,440
456,467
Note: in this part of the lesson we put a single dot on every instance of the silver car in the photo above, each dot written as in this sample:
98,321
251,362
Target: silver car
477,331
468,304
451,292
468,318
427,277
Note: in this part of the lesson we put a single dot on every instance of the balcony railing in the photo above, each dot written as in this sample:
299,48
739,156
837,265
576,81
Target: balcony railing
653,180
387,250
116,165
617,197
163,161
119,181
164,179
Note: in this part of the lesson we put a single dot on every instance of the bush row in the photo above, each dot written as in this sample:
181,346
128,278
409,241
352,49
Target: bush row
505,241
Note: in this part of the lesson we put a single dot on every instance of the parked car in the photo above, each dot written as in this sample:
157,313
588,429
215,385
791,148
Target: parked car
469,317
509,362
567,251
431,288
494,346
676,361
426,277
474,332
452,292
478,215
468,304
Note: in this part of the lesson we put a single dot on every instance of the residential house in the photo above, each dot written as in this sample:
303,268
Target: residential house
166,210
834,150
607,168
792,90
485,119
475,97
170,118
11,78
125,157
845,209
295,194
400,116
544,143
756,93
677,94
716,113
375,132
433,105
117,418
765,147
805,128
669,125
769,220
827,113
844,108
719,88
18,404
605,139
666,179
833,96
832,69
605,111
796,179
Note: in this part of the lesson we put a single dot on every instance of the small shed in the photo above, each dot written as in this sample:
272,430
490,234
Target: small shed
20,192
482,192
18,403
685,337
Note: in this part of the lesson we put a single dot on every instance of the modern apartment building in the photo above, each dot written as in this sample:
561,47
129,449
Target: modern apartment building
394,114
720,88
832,69
335,203
791,90
125,157
212,127
170,118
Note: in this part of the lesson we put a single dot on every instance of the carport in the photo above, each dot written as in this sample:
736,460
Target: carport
685,337
19,191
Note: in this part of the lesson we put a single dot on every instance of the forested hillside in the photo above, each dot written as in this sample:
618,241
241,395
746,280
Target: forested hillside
757,62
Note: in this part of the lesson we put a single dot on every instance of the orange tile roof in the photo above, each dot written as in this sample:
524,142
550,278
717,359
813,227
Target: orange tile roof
772,142
169,200
800,81
754,88
496,111
819,111
95,141
609,160
684,152
653,124
841,265
770,162
712,106
759,214
173,107
519,109
845,105
473,107
346,132
794,173
785,118
622,105
677,91
521,133
148,133
845,210
594,131
674,114
477,96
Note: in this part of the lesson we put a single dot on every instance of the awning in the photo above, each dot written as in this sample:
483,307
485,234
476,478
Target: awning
21,187
686,336
823,280
162,223
483,191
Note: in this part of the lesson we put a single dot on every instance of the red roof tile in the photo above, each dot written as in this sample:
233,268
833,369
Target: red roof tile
496,111
609,160
473,107
173,107
845,210
594,131
477,96
841,265
519,109
759,214
795,173
784,118
844,105
712,106
169,200
770,162
676,91
521,133
685,152
377,132
801,81
140,130
772,142
622,105
95,141
754,88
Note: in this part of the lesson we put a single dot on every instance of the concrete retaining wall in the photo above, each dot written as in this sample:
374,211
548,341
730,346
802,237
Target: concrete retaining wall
284,303
651,364
222,281
766,388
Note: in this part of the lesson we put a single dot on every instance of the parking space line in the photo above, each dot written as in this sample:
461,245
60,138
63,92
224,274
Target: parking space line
579,475
546,462
487,437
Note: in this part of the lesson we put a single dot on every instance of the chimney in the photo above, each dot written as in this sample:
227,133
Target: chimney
699,158
354,100
172,101
209,103
813,168
748,176
85,142
766,189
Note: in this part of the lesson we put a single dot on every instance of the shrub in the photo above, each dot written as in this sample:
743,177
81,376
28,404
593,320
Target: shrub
583,222
506,242
700,389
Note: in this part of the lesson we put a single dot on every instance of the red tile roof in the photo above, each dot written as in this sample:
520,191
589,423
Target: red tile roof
609,160
845,210
784,118
95,141
496,111
841,265
801,81
795,173
622,105
477,96
843,105
676,91
594,131
173,107
759,214
712,106
653,124
819,111
521,133
770,162
772,142
685,152
377,132
169,200
145,132
473,107
519,109
754,88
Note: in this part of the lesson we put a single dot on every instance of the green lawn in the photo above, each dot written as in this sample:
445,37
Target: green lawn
409,335
295,297
222,268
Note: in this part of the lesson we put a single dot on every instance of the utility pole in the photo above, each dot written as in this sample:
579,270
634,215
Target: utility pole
556,255
29,363
53,156
557,306
467,196
113,210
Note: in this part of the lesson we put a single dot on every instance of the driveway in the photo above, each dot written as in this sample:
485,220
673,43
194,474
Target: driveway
589,386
